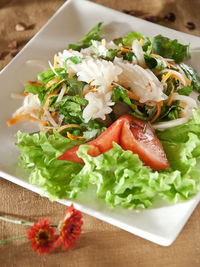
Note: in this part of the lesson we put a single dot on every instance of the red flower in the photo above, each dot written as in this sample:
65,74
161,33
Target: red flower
70,228
42,236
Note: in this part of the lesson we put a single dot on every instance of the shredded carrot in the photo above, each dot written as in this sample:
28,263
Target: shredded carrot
144,66
165,77
182,114
183,104
171,99
141,41
125,50
90,84
162,58
72,137
131,95
19,116
103,41
172,66
35,83
32,118
187,80
135,106
88,91
159,105
15,119
55,61
53,81
44,123
26,93
46,105
69,126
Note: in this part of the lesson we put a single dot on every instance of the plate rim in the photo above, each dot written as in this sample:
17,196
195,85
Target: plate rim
151,237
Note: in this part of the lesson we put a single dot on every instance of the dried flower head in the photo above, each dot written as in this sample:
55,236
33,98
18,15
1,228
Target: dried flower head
70,228
42,236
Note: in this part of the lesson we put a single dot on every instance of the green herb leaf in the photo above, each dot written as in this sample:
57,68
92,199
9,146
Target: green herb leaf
93,34
33,89
48,75
131,36
75,60
154,63
167,48
191,75
185,91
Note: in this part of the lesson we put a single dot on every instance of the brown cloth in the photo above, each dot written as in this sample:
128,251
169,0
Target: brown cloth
100,244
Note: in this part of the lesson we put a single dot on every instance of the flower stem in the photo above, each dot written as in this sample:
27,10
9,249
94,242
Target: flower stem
11,239
16,221
21,222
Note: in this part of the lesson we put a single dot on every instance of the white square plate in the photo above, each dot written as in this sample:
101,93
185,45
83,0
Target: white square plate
160,224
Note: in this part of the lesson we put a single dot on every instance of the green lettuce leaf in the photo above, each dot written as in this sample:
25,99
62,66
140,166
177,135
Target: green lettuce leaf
39,153
180,133
117,176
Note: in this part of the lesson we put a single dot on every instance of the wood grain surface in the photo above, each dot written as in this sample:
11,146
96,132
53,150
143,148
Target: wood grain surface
100,244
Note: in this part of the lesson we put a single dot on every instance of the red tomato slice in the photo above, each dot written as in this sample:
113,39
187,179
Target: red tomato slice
71,155
98,146
142,140
131,134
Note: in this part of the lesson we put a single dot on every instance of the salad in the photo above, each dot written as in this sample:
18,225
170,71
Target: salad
116,117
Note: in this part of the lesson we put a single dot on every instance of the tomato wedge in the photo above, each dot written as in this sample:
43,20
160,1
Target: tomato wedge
141,139
98,146
131,134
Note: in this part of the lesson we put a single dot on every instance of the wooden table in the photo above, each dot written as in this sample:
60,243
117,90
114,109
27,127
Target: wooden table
101,244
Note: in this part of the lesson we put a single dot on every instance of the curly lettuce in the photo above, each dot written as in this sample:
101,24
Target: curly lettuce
117,176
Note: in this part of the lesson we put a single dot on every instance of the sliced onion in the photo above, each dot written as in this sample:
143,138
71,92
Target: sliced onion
52,68
175,73
189,100
50,119
61,94
60,119
17,96
169,124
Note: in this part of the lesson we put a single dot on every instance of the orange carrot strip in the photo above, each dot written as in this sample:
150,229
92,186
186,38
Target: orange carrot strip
165,77
35,83
131,95
103,41
15,119
88,91
162,58
141,41
51,82
171,99
69,126
125,50
70,136
159,105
